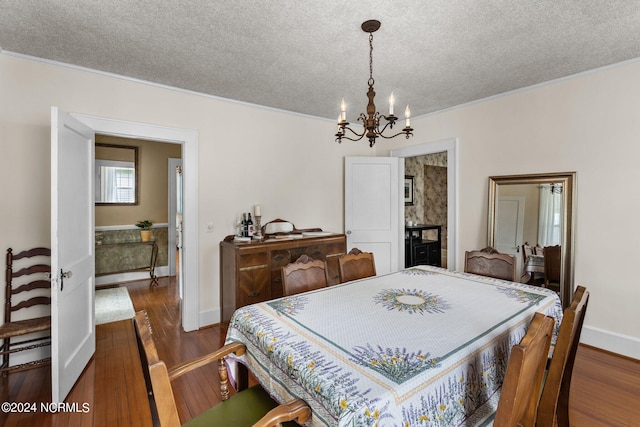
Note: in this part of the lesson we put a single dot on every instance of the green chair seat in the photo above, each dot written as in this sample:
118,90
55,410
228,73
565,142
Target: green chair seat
242,409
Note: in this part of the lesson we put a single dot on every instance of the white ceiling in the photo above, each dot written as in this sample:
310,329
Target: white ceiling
305,56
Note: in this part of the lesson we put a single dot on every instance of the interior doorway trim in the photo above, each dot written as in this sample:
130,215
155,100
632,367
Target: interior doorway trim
189,140
449,145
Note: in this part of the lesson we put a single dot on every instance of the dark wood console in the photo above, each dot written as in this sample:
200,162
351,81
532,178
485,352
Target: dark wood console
250,272
420,251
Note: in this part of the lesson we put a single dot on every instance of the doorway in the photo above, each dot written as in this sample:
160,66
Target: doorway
426,204
190,251
449,147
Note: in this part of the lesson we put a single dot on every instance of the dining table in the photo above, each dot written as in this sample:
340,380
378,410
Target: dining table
424,346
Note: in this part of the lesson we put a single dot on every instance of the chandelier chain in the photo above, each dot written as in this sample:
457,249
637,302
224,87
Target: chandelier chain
371,81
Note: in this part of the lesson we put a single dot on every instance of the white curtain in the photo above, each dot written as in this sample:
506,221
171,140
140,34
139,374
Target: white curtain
108,182
550,218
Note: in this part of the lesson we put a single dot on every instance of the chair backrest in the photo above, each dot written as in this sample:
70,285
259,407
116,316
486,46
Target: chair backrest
31,277
554,403
356,265
304,275
161,399
489,262
552,262
522,384
527,251
162,402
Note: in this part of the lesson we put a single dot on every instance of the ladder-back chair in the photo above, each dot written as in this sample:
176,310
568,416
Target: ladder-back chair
27,286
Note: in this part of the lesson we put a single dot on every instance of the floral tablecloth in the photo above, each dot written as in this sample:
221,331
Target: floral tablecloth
421,347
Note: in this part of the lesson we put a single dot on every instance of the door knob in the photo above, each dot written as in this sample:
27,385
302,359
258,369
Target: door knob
348,231
64,275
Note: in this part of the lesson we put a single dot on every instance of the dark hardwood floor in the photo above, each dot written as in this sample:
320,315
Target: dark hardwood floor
605,391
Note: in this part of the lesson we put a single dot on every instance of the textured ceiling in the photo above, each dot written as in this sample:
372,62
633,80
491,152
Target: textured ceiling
305,56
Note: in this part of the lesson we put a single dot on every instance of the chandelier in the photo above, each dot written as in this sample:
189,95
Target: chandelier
371,121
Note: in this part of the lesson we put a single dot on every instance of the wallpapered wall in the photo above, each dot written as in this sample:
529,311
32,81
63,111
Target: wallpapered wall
430,193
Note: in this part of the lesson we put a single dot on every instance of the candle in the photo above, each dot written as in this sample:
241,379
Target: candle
256,210
407,114
392,101
343,111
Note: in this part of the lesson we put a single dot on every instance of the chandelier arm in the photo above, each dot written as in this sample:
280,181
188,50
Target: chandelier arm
350,139
397,134
389,125
359,135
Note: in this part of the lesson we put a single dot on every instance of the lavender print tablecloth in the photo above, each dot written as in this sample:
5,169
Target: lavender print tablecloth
421,347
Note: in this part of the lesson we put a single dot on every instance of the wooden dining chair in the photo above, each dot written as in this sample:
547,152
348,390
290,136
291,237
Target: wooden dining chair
27,288
527,251
304,275
522,383
554,403
249,407
552,265
491,263
356,265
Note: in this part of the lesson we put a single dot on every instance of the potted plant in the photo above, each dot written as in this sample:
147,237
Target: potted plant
145,229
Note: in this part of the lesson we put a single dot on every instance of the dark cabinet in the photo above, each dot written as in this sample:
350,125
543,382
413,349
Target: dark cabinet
420,251
251,272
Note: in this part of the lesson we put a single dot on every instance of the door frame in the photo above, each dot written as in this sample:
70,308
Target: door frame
189,140
450,145
173,163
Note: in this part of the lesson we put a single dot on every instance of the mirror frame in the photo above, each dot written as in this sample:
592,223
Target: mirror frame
136,165
568,180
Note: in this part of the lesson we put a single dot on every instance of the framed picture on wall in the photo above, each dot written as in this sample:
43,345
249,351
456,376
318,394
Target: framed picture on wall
408,190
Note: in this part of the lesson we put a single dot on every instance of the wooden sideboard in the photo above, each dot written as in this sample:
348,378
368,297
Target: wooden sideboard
250,272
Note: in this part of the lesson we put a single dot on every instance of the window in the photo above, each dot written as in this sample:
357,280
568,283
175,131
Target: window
115,181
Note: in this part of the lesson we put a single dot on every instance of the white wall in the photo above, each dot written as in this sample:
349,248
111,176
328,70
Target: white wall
589,124
288,163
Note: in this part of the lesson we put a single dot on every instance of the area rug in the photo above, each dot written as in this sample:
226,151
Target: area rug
113,304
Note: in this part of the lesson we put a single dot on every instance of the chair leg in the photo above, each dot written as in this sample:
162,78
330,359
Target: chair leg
5,356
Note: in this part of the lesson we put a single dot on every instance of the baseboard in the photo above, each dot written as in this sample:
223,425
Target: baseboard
209,317
611,341
131,276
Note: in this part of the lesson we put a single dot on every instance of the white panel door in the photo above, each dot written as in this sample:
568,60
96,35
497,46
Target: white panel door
372,200
72,251
510,226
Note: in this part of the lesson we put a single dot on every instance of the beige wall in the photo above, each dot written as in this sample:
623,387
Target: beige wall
288,163
588,124
153,181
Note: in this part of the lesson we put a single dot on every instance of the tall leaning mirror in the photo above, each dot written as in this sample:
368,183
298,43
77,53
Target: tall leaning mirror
537,210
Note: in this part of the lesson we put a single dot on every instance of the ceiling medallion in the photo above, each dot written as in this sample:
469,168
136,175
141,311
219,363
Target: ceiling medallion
371,121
